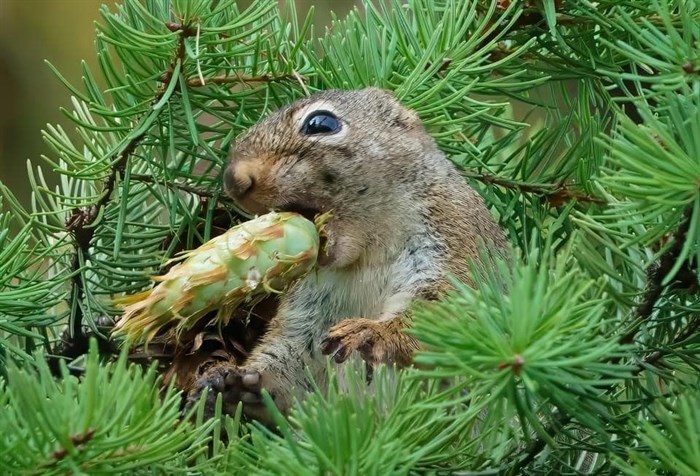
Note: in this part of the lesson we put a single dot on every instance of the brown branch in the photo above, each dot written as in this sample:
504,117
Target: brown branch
80,224
655,277
242,78
201,193
532,16
556,195
77,440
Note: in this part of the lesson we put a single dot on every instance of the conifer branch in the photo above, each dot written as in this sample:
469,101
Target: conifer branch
655,277
80,224
654,291
530,17
644,311
556,195
658,355
76,440
199,192
243,79
560,419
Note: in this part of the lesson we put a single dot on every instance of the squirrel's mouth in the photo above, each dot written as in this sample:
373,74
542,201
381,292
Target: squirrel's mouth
307,212
325,255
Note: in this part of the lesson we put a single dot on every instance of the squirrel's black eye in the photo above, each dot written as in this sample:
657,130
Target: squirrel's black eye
320,122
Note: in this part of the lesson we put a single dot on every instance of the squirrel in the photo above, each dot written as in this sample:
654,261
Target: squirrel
403,222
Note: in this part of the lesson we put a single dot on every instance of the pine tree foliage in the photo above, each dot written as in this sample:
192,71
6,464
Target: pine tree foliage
391,429
581,358
114,419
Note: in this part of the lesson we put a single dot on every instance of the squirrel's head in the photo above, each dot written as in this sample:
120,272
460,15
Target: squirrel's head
358,154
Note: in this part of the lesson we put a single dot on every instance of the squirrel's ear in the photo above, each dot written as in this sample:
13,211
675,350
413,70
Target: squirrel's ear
409,118
381,91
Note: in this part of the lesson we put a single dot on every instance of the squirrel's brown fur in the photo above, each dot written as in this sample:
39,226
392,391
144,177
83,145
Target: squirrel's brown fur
403,221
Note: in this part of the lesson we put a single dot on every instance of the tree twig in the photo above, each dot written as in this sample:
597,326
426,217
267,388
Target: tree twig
200,192
656,356
242,78
560,420
554,194
643,312
655,277
80,224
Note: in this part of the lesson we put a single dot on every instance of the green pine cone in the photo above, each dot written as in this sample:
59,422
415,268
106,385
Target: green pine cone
251,260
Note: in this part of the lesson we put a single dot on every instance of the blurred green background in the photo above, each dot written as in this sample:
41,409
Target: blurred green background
61,32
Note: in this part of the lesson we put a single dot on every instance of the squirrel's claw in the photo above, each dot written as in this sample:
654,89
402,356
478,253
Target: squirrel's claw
376,342
333,347
347,337
235,384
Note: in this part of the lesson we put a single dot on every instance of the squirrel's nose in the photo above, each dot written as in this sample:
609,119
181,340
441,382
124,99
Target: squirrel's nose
238,180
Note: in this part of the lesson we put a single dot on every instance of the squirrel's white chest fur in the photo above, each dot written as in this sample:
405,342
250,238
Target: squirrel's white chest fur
378,290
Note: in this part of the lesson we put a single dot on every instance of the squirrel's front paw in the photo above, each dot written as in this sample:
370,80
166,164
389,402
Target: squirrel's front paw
376,341
236,385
